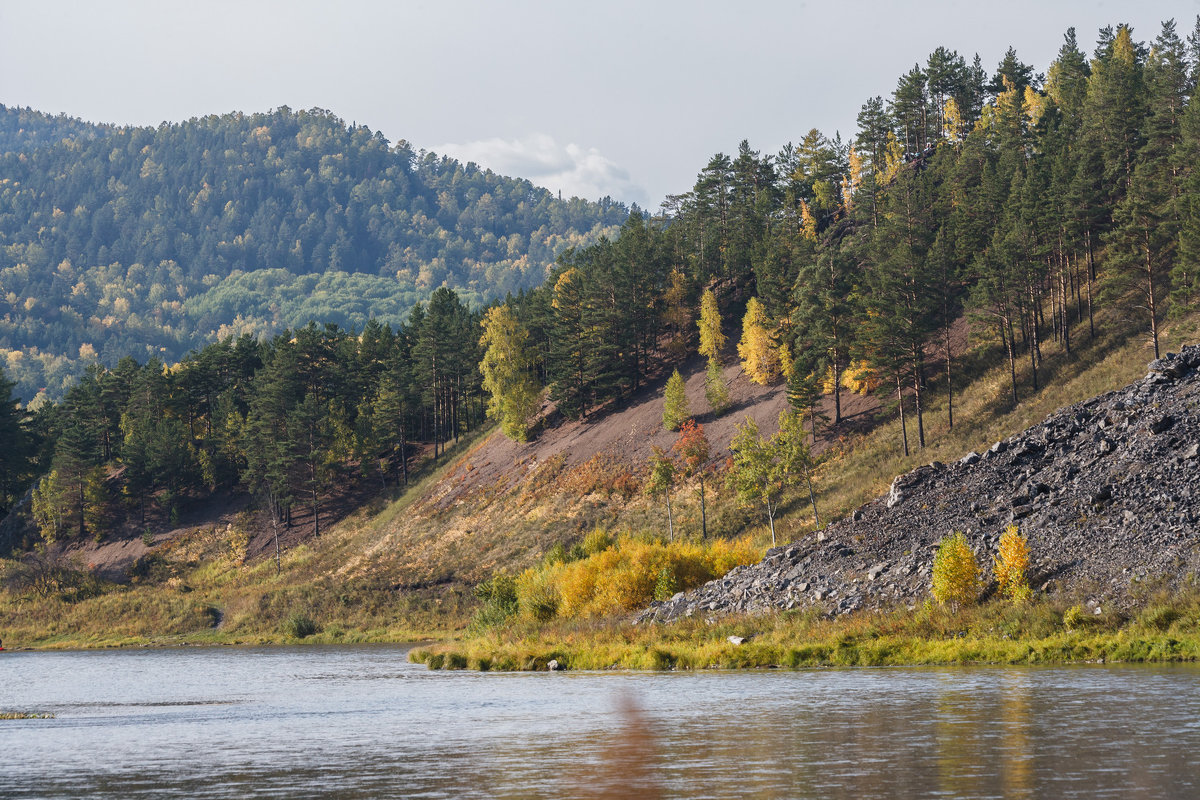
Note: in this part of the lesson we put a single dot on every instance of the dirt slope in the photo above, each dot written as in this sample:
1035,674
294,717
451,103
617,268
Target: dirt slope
627,434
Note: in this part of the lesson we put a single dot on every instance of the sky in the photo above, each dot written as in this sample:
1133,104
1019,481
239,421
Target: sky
618,98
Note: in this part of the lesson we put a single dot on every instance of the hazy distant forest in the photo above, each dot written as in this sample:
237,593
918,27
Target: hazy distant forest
1027,202
153,241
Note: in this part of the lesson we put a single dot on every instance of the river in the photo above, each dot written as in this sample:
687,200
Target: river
361,722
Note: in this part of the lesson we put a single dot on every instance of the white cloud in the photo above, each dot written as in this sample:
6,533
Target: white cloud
571,169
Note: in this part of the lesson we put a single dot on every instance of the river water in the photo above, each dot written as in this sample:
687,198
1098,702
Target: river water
361,722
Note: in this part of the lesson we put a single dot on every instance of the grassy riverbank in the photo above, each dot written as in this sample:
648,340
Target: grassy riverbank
1042,631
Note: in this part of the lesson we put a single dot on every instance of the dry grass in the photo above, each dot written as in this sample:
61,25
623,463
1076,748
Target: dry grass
1045,630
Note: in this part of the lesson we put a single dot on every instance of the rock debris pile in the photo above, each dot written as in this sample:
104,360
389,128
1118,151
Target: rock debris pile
1107,492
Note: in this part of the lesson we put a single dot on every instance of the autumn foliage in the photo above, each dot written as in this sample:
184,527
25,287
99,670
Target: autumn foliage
625,576
1012,565
955,572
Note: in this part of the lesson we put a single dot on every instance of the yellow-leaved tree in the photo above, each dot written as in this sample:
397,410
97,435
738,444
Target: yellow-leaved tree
1012,565
760,358
955,572
507,369
712,339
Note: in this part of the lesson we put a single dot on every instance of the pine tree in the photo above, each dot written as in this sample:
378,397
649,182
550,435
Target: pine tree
1144,237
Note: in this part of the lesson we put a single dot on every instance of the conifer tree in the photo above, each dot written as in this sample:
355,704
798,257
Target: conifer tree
716,389
760,359
675,403
507,372
712,338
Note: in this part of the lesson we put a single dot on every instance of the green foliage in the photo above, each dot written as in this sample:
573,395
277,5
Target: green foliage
716,390
498,601
151,241
298,626
597,541
507,369
665,585
955,578
762,469
675,403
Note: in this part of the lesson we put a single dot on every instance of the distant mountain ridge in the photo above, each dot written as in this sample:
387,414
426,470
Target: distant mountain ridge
150,241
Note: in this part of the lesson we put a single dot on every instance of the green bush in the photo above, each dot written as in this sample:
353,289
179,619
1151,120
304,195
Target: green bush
499,596
299,626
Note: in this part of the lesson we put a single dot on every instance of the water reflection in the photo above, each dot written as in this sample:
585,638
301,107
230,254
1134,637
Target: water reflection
362,723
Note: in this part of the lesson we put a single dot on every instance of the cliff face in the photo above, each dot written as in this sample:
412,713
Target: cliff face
1107,492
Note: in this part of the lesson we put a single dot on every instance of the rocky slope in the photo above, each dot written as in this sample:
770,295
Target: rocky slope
1107,492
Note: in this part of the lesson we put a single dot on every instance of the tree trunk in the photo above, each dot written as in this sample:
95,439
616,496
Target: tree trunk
812,497
1150,296
1012,358
703,511
771,519
403,451
918,370
949,379
670,518
900,402
275,528
1091,279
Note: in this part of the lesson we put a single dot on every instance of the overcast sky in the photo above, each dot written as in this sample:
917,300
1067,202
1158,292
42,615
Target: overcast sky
619,98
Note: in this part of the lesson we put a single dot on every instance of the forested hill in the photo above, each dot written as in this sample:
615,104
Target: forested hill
120,241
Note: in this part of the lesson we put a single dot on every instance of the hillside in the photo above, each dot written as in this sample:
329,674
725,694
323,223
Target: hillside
149,242
1107,492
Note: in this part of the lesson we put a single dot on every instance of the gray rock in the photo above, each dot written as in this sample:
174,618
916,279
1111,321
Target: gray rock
736,640
1092,521
1163,423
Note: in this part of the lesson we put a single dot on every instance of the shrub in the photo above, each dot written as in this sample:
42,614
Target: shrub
1012,565
1160,617
537,596
665,586
299,626
627,575
1076,617
499,596
597,541
955,572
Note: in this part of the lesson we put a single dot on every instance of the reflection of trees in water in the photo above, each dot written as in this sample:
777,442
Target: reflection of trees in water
964,738
1017,748
627,762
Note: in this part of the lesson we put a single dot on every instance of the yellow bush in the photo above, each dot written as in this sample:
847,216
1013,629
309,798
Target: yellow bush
858,378
625,576
1012,564
955,572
